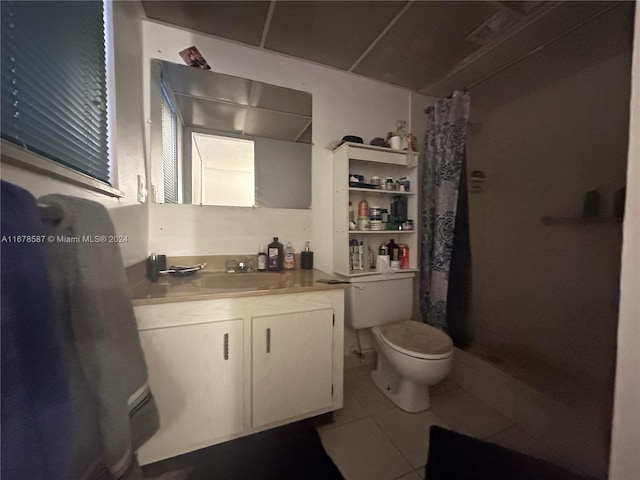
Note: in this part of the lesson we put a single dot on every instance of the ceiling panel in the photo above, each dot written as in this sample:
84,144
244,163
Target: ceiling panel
557,20
239,21
611,34
331,33
427,42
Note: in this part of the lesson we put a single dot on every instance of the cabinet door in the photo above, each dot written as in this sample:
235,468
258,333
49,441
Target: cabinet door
196,377
292,365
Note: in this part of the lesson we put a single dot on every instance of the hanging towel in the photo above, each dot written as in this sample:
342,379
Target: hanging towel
35,388
88,273
49,424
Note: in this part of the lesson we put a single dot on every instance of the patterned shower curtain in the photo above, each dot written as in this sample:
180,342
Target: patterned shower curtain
442,168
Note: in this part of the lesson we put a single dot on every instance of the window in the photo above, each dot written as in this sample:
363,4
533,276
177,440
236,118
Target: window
223,170
53,92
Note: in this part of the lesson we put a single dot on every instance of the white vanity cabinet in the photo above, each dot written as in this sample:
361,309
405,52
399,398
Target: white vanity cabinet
195,372
228,367
292,365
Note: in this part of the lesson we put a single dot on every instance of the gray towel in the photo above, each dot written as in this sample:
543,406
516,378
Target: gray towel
86,264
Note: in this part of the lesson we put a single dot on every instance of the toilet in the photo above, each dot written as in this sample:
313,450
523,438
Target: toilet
411,355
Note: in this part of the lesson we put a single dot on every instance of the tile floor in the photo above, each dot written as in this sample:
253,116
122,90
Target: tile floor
372,439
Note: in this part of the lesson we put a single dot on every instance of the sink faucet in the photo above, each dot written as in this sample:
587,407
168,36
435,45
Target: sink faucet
246,265
239,266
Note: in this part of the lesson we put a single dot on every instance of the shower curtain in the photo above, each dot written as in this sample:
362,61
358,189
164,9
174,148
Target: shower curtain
445,257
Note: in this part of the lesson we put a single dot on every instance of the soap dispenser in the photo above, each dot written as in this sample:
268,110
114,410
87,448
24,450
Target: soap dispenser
306,258
289,257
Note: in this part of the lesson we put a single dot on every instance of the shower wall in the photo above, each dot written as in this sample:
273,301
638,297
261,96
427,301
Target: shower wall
549,291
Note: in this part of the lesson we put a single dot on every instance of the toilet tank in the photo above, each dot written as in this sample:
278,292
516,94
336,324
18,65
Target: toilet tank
373,301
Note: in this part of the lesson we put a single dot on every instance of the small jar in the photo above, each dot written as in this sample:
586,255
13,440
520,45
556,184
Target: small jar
375,181
389,185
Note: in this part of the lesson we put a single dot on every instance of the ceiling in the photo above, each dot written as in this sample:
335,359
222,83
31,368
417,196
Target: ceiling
432,47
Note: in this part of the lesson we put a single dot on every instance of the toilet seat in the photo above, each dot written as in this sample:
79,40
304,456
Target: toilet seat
416,339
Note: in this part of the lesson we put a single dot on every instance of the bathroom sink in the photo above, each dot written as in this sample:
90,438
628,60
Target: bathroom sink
257,280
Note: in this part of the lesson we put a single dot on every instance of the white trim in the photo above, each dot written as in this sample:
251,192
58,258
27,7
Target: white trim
110,81
27,160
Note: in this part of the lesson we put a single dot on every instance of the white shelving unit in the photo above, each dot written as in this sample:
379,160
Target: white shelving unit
367,160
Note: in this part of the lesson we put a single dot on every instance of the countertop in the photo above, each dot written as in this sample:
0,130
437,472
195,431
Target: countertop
205,285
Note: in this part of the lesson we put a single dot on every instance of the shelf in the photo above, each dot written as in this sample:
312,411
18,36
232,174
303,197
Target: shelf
366,232
380,191
579,220
368,161
367,272
370,153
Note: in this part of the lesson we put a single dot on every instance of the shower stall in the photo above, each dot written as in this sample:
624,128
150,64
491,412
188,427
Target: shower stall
545,280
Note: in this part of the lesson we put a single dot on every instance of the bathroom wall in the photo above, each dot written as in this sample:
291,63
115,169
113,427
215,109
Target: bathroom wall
551,291
342,104
129,216
625,461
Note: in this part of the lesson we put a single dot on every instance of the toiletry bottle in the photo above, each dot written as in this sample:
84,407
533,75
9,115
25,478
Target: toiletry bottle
353,250
394,254
289,258
361,256
306,258
262,260
152,267
274,256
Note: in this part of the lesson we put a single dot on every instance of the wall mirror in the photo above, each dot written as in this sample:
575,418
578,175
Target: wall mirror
217,139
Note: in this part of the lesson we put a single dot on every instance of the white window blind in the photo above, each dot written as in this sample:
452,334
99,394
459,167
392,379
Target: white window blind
53,86
169,149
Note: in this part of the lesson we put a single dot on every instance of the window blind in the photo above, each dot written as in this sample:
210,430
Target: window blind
53,84
169,148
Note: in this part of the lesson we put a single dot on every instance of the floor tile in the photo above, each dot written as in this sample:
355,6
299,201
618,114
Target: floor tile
466,414
352,410
517,439
372,399
491,391
362,451
361,371
409,432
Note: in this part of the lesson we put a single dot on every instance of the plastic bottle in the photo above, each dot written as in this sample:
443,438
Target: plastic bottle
306,258
289,258
262,260
394,254
274,256
353,251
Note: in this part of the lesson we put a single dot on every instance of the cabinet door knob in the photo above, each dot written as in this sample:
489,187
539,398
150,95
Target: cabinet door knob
225,348
268,340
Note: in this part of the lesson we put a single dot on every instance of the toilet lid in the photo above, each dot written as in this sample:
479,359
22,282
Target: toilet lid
417,339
